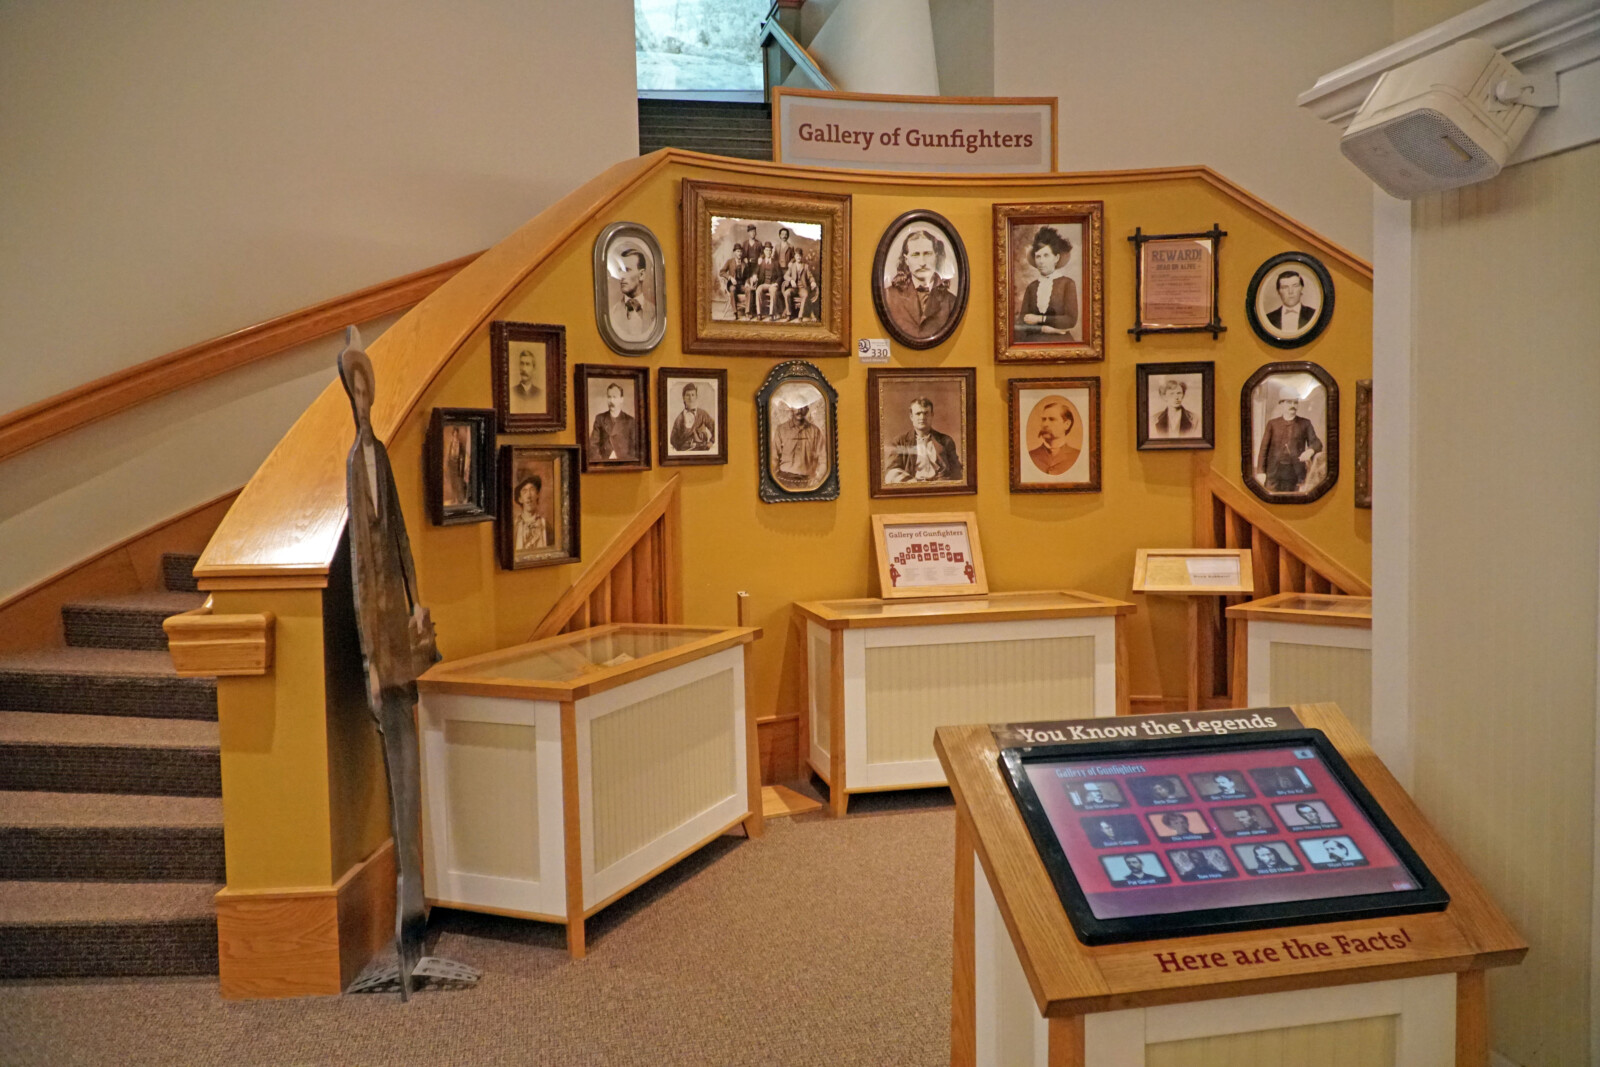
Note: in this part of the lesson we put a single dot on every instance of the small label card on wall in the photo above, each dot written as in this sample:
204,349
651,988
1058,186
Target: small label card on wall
873,349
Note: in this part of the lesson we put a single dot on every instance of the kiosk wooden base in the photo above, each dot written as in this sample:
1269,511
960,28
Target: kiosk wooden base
1408,990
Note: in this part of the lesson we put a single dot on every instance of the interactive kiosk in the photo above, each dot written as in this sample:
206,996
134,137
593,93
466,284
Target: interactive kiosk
1207,888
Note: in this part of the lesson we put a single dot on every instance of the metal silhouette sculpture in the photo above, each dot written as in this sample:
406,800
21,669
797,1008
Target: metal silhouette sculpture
397,645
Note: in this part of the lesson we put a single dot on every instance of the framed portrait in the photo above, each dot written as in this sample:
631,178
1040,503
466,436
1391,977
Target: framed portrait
766,272
1364,443
613,417
920,279
1049,302
456,472
691,416
539,512
797,413
922,431
929,555
1055,435
1175,282
1176,406
529,364
1290,300
1289,428
630,288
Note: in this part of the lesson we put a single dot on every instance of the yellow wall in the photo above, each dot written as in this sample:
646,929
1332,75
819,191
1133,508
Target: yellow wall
780,553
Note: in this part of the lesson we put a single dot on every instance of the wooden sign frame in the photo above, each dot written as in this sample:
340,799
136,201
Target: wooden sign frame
1142,577
888,573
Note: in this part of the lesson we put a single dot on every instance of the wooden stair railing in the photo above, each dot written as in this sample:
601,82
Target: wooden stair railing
1284,561
636,579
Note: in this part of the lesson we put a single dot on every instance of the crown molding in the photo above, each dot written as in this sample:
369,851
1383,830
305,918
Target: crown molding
1540,36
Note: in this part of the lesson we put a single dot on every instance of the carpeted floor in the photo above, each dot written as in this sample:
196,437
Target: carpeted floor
825,943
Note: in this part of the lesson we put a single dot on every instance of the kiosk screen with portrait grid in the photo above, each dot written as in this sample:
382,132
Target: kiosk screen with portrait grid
1164,834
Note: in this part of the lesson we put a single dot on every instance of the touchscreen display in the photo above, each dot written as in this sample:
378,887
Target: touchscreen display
1212,828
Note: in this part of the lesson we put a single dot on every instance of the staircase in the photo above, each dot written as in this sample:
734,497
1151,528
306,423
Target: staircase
743,131
110,797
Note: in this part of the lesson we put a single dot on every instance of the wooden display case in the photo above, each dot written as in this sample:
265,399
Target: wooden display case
1295,648
559,775
1404,990
882,675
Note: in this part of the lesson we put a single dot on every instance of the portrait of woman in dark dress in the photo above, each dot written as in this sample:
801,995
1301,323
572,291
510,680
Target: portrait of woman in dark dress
1050,303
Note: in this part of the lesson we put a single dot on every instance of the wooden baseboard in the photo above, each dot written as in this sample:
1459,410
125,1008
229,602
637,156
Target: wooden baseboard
32,618
779,738
308,941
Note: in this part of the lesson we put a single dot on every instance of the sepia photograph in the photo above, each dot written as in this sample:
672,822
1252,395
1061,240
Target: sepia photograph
456,474
766,272
1290,300
1055,435
691,412
1289,422
538,524
920,279
1048,288
1176,406
922,431
630,288
613,417
797,411
529,363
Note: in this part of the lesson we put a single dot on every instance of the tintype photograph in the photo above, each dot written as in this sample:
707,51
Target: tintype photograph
1290,300
920,279
613,405
922,433
457,466
691,416
539,507
1055,435
630,288
1049,293
1289,426
529,364
797,413
1176,406
765,272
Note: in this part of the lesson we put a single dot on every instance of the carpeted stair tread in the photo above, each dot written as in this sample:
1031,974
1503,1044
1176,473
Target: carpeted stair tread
32,903
137,663
103,681
127,731
33,811
177,571
151,600
132,620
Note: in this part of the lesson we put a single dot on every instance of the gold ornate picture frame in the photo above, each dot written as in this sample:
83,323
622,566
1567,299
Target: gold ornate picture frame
1049,282
765,272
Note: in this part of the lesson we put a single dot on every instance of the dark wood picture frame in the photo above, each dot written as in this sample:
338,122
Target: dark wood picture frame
590,442
670,381
476,483
894,299
1270,271
1027,342
565,512
1153,433
502,335
738,206
1145,320
899,389
796,376
1364,443
1029,475
1254,395
613,242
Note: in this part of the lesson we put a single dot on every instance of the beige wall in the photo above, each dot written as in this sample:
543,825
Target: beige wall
1506,451
1150,83
175,170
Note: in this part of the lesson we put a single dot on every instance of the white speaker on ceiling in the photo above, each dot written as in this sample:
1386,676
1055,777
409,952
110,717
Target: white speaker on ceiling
1450,118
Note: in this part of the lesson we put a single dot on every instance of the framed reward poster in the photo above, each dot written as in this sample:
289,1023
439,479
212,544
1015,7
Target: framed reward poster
1175,286
929,555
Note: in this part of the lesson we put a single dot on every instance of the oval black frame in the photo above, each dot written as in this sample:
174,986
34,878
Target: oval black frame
1325,313
767,487
964,273
1247,435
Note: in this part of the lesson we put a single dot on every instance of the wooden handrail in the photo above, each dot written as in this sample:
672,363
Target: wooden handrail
37,423
287,522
